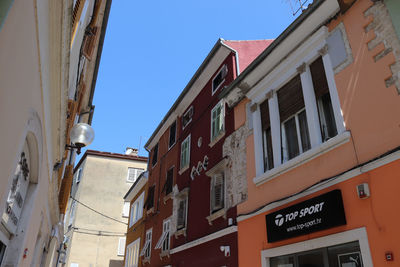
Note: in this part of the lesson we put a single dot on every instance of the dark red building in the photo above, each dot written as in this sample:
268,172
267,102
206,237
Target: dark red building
193,211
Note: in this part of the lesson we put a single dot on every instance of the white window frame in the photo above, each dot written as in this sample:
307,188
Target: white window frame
121,246
136,174
146,250
306,53
165,236
222,120
190,110
359,234
136,210
74,264
187,155
183,198
132,254
298,133
125,209
223,68
213,209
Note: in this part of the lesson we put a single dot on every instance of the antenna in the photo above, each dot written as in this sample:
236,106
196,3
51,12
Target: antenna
140,143
297,5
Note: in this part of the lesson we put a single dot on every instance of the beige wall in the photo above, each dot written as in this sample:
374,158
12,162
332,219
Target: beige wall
102,187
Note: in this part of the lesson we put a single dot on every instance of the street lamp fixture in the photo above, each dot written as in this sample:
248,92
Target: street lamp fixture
82,134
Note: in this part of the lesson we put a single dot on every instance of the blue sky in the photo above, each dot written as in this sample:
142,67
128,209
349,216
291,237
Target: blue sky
153,48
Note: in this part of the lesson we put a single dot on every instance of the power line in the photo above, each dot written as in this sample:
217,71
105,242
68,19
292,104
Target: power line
98,212
97,232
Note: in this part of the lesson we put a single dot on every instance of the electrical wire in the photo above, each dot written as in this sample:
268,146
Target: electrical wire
98,212
97,232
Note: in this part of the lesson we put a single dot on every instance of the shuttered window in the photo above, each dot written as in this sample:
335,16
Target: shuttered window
290,98
133,174
325,109
267,138
169,181
217,120
182,213
121,246
185,152
217,192
155,155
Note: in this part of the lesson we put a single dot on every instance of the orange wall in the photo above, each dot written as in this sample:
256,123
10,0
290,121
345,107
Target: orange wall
377,213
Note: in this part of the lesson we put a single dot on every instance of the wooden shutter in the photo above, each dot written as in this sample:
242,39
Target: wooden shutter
121,246
218,191
319,78
89,42
169,181
264,110
172,134
290,98
181,214
150,198
65,188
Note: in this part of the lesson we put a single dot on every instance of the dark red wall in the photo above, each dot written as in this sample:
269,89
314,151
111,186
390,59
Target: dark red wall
209,254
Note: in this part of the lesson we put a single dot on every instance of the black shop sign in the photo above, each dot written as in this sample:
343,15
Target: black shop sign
319,213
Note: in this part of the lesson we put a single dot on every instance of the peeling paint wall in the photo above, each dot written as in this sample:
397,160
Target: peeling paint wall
234,149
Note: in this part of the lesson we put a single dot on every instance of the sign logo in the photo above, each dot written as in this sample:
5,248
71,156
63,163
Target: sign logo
279,220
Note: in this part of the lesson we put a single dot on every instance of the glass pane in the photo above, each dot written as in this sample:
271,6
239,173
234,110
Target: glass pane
311,259
283,261
268,154
291,138
346,255
305,137
327,119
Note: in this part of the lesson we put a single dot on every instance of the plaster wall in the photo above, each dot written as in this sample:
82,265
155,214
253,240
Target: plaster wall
22,112
102,187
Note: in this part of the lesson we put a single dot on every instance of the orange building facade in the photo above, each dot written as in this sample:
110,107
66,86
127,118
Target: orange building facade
320,108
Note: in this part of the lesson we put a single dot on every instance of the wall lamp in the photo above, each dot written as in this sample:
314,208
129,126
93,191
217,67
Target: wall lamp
82,134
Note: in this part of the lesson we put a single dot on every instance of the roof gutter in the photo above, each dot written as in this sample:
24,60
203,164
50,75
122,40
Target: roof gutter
291,28
98,57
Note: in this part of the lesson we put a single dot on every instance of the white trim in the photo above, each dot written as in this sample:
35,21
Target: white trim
359,234
341,178
121,246
205,239
302,158
216,138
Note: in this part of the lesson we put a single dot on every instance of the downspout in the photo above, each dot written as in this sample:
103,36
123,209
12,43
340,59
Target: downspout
236,56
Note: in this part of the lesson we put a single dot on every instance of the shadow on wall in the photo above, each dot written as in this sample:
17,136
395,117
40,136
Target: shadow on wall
116,263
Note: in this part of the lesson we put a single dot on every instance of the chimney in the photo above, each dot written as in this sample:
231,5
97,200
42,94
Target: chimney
131,151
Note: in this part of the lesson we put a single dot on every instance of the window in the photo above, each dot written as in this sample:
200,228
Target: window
169,181
155,155
146,251
217,192
163,242
294,129
266,136
133,174
136,210
182,211
79,175
185,153
219,78
172,135
324,103
74,264
5,6
150,198
125,210
2,251
132,254
121,246
217,120
187,117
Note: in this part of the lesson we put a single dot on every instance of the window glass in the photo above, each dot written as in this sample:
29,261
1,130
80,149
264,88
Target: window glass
182,214
2,251
217,120
185,153
217,192
169,181
283,261
172,134
219,78
314,259
304,135
267,137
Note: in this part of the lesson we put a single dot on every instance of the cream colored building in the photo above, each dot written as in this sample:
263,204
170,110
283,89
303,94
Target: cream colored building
97,217
40,101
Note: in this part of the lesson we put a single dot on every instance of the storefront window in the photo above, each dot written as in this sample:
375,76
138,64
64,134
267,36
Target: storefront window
344,255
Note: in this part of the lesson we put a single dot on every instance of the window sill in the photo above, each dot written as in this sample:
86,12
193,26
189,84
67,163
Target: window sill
164,254
167,197
183,170
150,211
180,232
219,137
214,216
303,158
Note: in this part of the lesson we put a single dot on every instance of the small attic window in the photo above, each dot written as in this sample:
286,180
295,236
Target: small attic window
219,78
